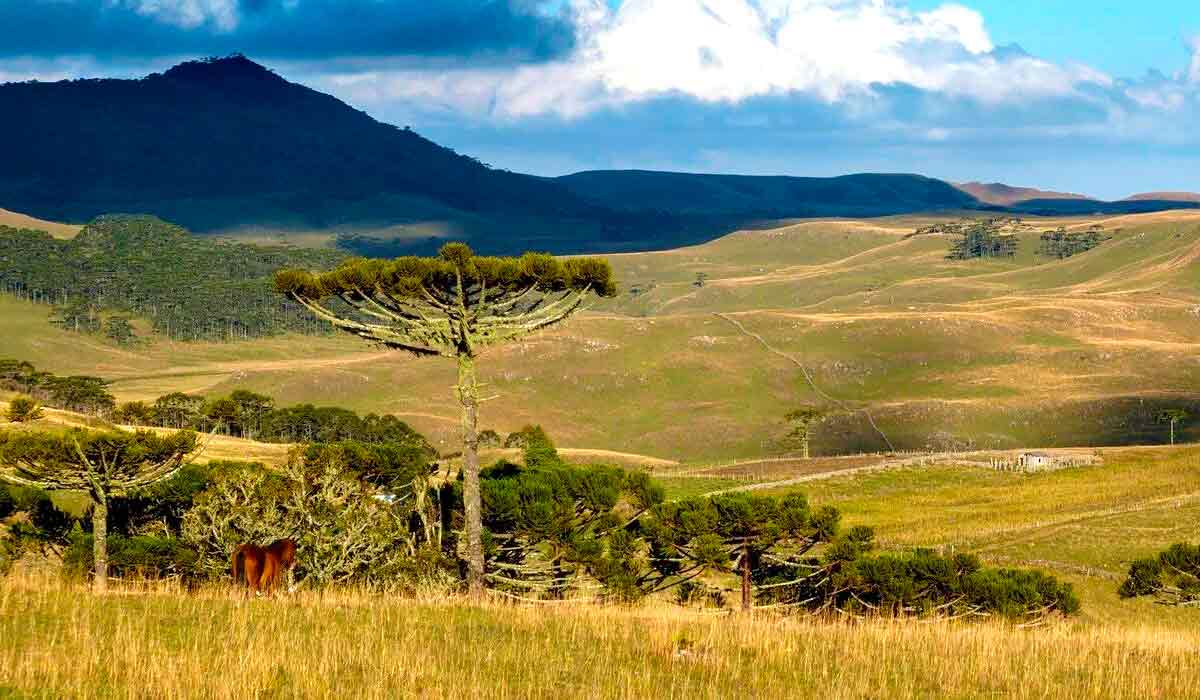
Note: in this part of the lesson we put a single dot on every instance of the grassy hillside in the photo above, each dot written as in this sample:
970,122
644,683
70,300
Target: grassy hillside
998,353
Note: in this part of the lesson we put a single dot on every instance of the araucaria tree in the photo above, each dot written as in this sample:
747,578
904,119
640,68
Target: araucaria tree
1172,416
1172,577
452,306
103,464
802,421
732,533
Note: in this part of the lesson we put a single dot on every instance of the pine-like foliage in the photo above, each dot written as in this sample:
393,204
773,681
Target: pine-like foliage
103,464
1172,577
736,533
555,529
453,306
455,303
146,267
849,577
983,239
1061,244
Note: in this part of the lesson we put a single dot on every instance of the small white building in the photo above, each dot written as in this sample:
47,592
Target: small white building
1037,460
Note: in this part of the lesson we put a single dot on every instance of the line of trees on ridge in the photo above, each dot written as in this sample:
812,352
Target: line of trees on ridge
240,414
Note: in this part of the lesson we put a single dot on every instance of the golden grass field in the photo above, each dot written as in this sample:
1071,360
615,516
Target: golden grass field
1084,524
59,641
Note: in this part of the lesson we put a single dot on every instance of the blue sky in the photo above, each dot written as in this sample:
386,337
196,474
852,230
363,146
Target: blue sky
1100,97
1121,37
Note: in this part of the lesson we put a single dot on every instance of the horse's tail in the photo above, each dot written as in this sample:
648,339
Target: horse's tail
236,565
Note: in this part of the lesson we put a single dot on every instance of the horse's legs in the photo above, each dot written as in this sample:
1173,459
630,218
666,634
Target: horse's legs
270,572
253,572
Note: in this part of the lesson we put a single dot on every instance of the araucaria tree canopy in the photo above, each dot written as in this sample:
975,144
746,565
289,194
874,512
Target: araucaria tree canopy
103,464
452,306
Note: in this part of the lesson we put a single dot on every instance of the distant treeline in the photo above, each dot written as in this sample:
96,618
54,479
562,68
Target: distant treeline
80,393
996,238
190,288
1062,244
254,416
240,414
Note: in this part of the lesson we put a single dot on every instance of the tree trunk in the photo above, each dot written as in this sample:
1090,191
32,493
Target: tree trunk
746,602
1172,432
100,543
806,447
468,396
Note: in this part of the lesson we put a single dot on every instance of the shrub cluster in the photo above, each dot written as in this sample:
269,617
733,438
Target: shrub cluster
851,578
23,409
373,514
348,530
1060,243
1172,577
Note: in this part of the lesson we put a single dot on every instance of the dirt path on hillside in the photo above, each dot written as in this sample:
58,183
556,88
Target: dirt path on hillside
214,373
807,376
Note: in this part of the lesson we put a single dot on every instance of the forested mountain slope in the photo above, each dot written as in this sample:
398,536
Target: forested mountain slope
186,287
223,143
747,198
226,144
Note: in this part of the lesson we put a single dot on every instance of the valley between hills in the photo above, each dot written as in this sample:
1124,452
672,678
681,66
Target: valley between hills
707,347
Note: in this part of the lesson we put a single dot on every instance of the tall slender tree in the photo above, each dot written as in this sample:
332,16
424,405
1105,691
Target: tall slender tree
1172,416
802,421
452,306
102,464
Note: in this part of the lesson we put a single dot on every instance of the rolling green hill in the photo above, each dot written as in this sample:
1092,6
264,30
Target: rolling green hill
997,353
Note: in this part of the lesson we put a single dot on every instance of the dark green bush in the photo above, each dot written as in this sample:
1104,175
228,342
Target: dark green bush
8,505
1173,576
849,576
547,526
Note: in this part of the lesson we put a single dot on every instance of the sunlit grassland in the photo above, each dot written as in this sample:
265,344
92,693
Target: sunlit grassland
60,641
1021,352
15,220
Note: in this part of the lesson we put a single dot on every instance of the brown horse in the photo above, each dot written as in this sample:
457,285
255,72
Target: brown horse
261,567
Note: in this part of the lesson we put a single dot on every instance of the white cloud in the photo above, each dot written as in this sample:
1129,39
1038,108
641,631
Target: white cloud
189,14
1174,94
732,50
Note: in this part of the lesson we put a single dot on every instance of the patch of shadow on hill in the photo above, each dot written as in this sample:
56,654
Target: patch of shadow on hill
942,426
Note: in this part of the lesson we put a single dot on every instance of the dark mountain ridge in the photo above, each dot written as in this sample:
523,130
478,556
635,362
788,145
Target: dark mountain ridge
224,144
766,196
230,131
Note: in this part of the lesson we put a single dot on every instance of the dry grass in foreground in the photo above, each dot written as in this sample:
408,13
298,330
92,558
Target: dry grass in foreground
58,641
